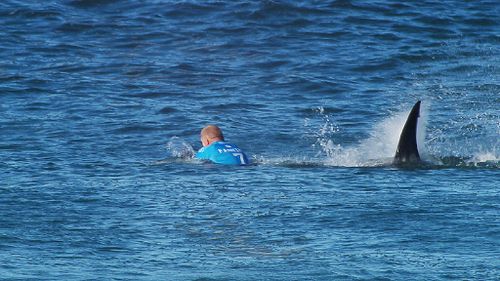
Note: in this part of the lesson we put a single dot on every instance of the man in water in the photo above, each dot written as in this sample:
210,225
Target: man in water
217,150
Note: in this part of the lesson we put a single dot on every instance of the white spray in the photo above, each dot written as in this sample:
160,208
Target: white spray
379,148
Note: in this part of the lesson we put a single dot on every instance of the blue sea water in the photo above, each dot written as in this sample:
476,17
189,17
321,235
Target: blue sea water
102,101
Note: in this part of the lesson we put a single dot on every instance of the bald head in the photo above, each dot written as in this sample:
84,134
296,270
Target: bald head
210,134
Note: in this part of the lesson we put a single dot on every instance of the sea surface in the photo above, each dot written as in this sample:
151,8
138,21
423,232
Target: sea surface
102,102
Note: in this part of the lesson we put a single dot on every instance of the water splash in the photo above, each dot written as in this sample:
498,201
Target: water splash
486,158
378,149
179,148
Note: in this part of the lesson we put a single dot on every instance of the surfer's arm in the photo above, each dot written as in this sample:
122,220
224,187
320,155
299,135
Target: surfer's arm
202,154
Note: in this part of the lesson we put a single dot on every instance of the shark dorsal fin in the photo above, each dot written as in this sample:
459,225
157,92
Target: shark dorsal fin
407,151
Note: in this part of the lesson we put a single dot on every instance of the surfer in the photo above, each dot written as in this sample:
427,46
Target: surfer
217,150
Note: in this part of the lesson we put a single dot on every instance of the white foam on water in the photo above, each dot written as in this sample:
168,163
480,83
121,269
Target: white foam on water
491,156
289,161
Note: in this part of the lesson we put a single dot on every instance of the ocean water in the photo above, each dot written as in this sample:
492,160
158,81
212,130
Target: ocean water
102,101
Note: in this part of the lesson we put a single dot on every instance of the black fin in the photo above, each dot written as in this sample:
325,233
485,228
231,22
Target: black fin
407,151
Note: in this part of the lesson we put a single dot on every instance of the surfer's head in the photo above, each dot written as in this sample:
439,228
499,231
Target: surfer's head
210,134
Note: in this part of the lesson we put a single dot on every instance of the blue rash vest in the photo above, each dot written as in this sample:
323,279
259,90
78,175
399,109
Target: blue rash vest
221,152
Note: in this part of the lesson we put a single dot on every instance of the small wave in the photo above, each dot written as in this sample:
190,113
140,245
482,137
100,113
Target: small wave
233,107
75,27
90,3
134,129
31,13
289,162
376,66
484,21
434,20
273,9
168,110
154,95
388,36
